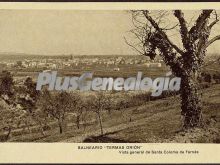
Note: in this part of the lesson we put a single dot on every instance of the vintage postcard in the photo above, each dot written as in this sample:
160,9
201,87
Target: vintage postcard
110,82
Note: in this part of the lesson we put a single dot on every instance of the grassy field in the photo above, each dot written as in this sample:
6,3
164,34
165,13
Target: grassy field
98,70
154,121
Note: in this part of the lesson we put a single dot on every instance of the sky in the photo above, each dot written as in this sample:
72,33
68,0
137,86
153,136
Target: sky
57,32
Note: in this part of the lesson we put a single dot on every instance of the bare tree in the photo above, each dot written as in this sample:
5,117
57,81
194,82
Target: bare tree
79,108
56,106
186,59
98,104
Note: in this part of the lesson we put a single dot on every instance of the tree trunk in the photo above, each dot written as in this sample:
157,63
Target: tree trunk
191,101
28,127
9,133
109,111
78,121
41,129
60,126
100,123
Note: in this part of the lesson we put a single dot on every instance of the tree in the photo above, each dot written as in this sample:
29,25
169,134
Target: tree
27,96
79,110
8,115
185,60
98,104
6,84
57,105
30,86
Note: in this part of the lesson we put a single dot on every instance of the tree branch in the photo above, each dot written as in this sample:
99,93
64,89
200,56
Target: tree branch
142,53
173,27
156,26
183,27
200,22
214,22
212,40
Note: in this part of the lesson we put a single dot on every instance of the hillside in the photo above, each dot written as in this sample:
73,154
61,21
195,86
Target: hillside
160,121
156,121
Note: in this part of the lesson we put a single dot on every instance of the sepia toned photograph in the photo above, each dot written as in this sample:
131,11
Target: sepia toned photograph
109,76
